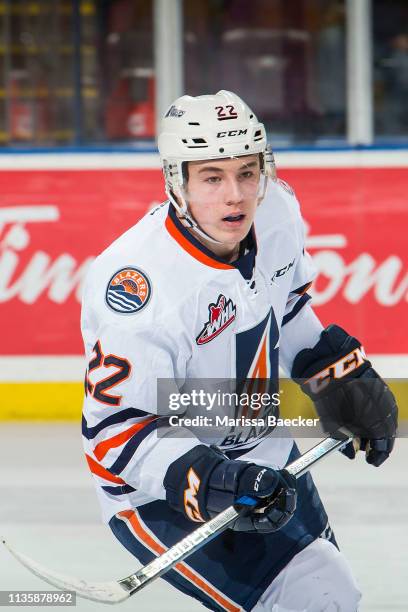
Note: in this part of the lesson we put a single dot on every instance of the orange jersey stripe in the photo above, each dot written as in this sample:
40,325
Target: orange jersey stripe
261,365
258,371
305,289
99,470
193,250
103,447
181,567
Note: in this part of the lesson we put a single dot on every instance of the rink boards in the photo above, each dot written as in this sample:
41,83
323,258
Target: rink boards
58,211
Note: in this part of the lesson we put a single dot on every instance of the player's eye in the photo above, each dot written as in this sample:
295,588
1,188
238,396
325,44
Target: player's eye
247,174
212,180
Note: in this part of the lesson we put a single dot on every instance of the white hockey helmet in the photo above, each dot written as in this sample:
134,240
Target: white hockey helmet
209,127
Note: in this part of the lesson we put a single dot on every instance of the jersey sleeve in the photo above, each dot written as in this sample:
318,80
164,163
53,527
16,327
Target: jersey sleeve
128,440
302,331
301,327
303,277
298,296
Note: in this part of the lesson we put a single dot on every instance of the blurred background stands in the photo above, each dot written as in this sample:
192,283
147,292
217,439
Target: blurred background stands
85,73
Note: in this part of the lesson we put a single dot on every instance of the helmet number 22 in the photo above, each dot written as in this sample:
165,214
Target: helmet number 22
226,112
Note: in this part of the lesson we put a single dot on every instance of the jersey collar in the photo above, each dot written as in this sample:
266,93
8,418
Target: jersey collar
245,263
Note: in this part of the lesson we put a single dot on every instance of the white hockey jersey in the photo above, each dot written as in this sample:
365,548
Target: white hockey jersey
159,305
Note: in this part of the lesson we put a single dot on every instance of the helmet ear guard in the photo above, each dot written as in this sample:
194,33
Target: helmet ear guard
268,166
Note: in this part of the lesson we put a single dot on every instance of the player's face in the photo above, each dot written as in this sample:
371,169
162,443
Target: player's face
222,195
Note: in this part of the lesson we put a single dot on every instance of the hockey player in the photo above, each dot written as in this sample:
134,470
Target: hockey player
213,284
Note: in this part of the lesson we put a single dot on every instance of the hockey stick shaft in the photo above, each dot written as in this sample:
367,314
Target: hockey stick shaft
113,592
222,521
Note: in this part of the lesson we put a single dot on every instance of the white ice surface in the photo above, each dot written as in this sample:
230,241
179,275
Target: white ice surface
49,511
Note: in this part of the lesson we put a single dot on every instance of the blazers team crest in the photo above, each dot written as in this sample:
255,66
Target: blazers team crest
128,291
221,315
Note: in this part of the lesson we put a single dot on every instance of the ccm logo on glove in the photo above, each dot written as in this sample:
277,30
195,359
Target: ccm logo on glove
337,370
348,392
258,479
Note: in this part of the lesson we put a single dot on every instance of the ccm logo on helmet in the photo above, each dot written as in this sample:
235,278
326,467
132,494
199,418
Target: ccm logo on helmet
337,370
231,133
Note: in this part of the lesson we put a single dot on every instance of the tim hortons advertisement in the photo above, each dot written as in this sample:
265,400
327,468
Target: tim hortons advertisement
53,223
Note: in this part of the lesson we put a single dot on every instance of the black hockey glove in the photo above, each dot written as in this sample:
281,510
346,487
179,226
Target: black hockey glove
348,393
203,482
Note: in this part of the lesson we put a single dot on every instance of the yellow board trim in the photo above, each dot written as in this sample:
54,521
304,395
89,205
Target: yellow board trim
34,401
295,403
62,401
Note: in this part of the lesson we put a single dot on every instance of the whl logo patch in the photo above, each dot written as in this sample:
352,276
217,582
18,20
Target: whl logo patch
220,316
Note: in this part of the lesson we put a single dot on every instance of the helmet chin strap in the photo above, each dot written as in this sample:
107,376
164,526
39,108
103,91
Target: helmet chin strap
180,204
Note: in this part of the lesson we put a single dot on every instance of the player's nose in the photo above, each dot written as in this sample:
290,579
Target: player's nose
233,192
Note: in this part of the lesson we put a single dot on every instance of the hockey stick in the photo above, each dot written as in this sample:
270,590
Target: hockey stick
113,592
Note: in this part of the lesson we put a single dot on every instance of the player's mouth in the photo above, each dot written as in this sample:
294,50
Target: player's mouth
234,220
